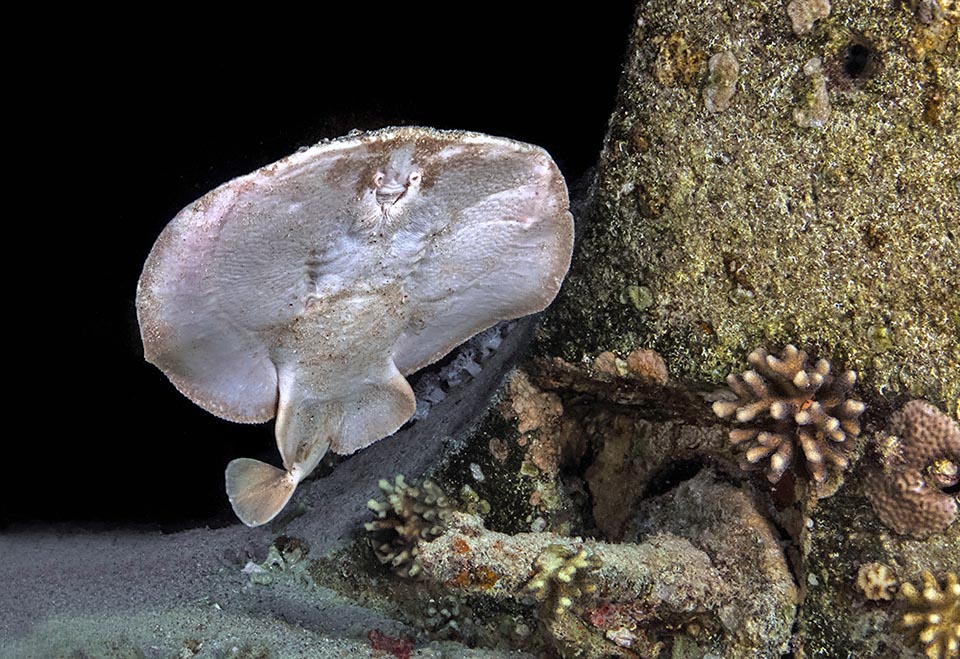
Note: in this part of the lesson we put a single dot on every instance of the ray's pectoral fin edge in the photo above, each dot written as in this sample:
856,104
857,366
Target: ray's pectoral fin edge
374,412
257,490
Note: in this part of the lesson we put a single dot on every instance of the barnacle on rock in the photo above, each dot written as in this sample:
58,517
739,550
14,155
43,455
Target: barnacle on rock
563,576
788,403
919,455
410,513
936,611
877,581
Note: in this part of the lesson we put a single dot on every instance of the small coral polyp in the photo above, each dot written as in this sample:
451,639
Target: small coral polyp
936,611
789,405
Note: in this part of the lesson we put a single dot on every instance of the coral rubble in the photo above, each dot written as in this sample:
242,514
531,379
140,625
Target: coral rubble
804,13
936,611
793,405
722,81
919,456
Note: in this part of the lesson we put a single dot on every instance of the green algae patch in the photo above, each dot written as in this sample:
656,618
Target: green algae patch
820,206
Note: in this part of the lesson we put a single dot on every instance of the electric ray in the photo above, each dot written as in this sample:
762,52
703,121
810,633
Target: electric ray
310,288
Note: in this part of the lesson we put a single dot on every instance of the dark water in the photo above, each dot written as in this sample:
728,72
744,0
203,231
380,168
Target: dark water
141,127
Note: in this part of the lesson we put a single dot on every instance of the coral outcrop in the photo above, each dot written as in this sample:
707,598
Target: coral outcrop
654,586
793,406
708,232
725,588
919,457
410,514
935,611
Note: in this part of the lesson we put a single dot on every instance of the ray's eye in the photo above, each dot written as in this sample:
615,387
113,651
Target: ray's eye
378,179
415,178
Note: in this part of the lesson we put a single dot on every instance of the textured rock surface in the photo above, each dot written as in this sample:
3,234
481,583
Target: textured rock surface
709,572
743,546
714,232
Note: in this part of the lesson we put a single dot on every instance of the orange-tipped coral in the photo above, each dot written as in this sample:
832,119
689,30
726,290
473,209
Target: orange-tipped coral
791,405
936,611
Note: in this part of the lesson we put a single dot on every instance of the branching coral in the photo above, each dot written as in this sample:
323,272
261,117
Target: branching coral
563,576
410,514
919,456
791,403
936,611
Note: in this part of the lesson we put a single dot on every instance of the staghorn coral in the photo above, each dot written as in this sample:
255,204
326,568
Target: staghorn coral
918,456
410,514
877,581
791,403
936,611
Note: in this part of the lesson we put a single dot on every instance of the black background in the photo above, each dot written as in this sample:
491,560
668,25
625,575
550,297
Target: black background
127,129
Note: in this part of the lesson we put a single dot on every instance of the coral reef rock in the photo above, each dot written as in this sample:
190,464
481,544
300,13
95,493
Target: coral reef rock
723,588
848,566
918,456
711,232
936,612
793,406
723,521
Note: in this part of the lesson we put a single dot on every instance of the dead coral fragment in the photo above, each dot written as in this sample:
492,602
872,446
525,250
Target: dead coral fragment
814,111
788,402
643,365
804,13
936,612
877,581
563,576
410,514
722,82
919,455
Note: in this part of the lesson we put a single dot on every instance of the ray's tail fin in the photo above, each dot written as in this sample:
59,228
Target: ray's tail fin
258,491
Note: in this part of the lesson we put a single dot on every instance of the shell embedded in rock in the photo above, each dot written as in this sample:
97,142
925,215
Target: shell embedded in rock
310,288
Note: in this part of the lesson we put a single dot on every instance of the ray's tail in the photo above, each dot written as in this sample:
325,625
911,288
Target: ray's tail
258,491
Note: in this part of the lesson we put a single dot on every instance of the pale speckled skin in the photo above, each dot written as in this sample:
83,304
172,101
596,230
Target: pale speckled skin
309,288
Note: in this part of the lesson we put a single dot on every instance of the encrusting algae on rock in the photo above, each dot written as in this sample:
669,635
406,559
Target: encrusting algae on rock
744,229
